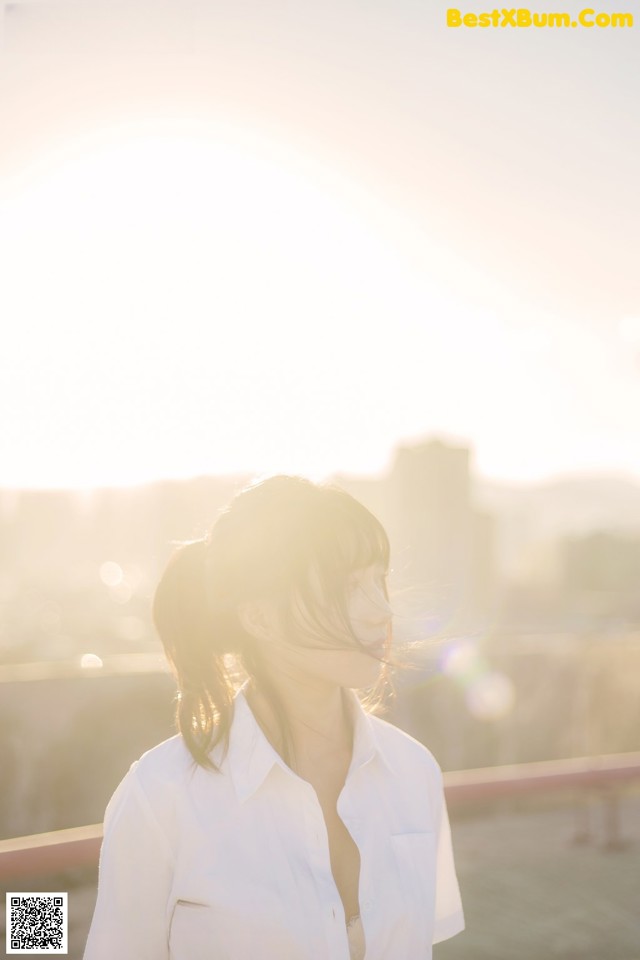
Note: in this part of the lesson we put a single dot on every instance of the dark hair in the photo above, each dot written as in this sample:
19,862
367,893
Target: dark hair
286,540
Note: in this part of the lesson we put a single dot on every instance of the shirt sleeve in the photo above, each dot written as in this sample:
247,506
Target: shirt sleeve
449,916
130,918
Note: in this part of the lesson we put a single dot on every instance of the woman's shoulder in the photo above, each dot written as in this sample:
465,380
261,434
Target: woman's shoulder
399,747
158,773
150,788
167,763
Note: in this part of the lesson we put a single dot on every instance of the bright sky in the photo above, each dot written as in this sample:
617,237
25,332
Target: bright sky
205,296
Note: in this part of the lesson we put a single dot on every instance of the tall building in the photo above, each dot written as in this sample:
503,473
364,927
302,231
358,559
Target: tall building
432,527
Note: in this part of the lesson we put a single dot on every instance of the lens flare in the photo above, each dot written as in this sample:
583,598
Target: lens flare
90,661
491,696
462,661
111,573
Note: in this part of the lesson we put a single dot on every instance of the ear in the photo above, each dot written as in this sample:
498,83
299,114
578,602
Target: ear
255,621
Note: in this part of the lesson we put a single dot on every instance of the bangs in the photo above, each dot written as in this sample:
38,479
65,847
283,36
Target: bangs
343,536
361,541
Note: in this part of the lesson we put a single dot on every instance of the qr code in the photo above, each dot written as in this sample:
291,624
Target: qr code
37,923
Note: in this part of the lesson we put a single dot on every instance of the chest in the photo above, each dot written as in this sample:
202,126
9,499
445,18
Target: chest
277,876
344,854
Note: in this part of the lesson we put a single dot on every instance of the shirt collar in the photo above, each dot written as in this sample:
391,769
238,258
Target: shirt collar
251,757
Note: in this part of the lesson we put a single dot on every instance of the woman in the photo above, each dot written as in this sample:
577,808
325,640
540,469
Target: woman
284,822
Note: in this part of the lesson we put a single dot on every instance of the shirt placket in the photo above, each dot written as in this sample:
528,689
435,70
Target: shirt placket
358,828
332,911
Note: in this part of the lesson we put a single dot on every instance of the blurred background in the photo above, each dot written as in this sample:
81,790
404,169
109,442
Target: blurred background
349,242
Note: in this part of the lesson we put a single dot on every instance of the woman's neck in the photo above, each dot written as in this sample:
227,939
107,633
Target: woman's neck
317,715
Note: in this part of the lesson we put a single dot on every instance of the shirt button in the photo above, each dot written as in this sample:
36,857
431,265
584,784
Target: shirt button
367,905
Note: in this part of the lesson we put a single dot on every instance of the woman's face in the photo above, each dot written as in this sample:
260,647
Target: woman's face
341,663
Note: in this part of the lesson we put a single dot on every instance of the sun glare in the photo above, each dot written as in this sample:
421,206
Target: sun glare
189,298
186,301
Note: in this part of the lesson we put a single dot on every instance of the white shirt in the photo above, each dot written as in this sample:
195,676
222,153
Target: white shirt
234,865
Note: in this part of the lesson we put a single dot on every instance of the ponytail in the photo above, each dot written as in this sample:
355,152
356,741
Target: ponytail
193,643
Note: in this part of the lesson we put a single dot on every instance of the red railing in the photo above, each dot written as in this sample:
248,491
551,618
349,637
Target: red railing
490,783
49,853
44,853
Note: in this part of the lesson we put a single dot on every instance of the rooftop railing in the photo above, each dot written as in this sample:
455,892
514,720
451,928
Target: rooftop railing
606,776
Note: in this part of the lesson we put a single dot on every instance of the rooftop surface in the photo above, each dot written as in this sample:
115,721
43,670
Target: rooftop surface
531,892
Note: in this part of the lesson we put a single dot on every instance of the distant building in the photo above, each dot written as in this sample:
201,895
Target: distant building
601,574
431,521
